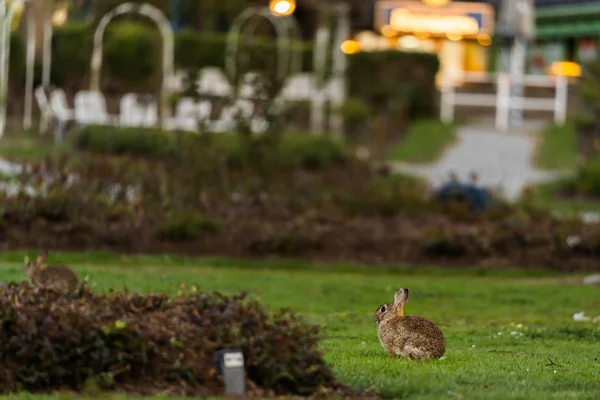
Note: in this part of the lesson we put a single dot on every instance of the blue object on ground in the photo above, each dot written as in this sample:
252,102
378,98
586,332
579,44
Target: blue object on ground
476,198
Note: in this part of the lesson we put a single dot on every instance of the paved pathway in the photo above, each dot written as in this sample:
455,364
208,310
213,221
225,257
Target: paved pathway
502,160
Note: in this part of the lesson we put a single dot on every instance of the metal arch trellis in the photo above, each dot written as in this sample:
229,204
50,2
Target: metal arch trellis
6,16
289,62
340,13
166,31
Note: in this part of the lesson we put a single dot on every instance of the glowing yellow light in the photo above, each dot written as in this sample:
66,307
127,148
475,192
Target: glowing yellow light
350,46
565,68
484,39
422,35
282,7
388,31
409,42
436,2
455,37
403,20
59,17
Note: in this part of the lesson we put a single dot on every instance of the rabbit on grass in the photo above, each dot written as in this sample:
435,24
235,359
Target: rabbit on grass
59,277
411,337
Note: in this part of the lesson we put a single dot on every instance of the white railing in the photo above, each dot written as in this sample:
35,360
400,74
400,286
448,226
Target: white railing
502,99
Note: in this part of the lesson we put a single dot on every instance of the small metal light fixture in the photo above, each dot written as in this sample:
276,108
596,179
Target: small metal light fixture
230,364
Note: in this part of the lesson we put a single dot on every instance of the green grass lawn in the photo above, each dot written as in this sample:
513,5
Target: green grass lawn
510,334
27,146
557,148
546,196
424,142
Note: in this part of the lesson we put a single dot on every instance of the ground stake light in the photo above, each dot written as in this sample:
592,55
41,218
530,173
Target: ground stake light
230,364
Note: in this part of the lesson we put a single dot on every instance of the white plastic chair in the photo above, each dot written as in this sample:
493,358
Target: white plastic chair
249,86
226,121
186,116
134,113
61,113
90,108
44,105
204,110
60,106
151,114
212,81
298,87
335,90
245,109
130,113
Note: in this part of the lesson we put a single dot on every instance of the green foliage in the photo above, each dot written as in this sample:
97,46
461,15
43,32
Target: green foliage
194,50
72,50
425,141
200,50
588,178
51,341
146,142
557,148
184,226
132,53
589,90
356,115
309,151
385,79
387,196
17,60
104,6
296,149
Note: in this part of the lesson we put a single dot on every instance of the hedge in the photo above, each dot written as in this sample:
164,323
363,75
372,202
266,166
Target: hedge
296,149
133,50
587,180
386,77
389,82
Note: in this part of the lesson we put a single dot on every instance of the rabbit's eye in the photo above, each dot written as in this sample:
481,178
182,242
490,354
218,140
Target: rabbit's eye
383,309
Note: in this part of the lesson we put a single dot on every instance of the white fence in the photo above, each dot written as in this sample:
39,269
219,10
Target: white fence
502,99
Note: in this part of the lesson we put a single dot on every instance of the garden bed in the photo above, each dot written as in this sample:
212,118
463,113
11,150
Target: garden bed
148,344
343,211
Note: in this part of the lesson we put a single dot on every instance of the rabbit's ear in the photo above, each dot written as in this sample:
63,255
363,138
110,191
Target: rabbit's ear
41,259
400,298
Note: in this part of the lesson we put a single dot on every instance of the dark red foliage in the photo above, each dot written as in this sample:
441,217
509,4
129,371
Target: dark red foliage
151,343
342,212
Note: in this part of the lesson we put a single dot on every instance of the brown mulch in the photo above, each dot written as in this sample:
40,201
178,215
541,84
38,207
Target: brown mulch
254,231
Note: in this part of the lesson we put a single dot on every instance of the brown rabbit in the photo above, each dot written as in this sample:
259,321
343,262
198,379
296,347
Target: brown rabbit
59,277
411,337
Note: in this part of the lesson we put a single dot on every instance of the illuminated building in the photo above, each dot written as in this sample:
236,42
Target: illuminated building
460,33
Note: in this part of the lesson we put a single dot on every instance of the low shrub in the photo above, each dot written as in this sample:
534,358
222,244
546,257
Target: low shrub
146,142
588,178
188,226
412,74
349,212
296,149
356,114
387,196
152,343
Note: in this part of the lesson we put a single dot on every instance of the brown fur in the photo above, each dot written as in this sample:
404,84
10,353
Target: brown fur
411,337
59,277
